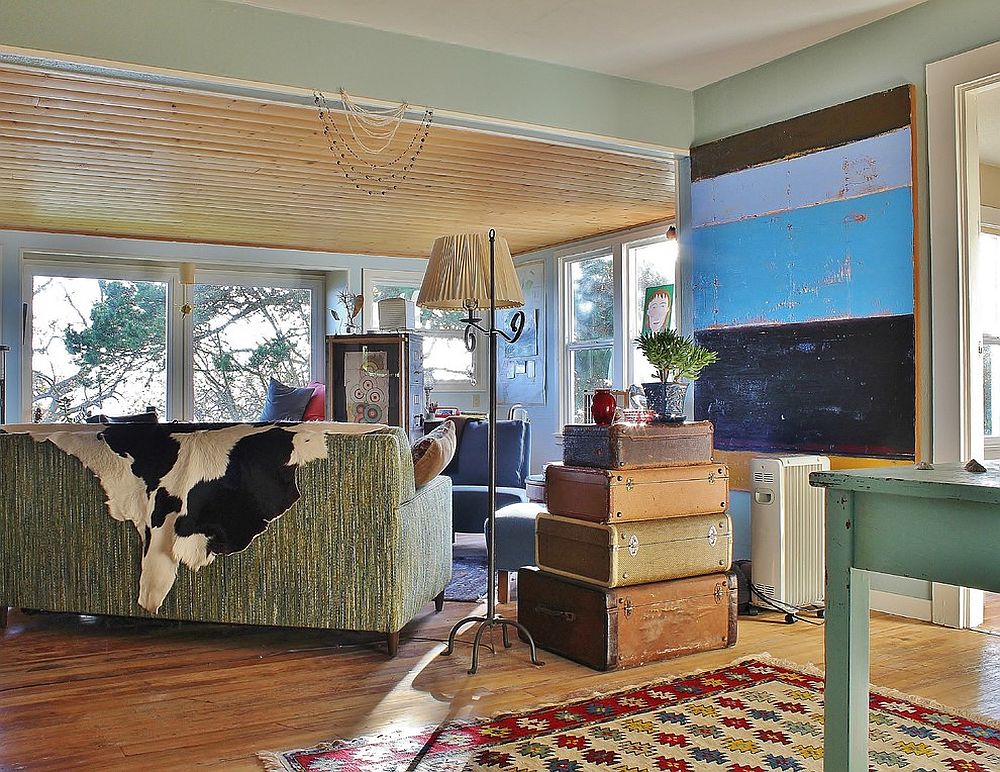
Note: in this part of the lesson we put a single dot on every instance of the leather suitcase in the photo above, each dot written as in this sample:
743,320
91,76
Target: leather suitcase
620,555
637,446
626,627
606,496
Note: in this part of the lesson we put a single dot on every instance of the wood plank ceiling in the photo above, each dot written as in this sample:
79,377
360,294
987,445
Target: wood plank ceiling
87,155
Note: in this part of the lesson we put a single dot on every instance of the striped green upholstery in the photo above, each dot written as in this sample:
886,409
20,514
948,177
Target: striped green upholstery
360,550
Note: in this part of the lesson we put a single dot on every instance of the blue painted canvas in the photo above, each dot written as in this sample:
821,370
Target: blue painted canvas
803,277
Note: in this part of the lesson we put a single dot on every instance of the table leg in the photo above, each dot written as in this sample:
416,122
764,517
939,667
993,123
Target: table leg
845,738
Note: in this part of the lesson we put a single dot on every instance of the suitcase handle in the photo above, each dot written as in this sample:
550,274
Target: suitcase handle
568,616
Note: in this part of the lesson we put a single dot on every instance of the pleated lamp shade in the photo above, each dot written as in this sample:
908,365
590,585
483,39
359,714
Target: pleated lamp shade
459,270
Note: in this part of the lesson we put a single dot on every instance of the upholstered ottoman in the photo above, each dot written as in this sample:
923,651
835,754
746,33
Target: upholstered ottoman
515,543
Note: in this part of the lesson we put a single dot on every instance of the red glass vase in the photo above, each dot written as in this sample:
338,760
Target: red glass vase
603,407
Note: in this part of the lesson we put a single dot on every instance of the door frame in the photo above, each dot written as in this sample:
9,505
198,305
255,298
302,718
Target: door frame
953,87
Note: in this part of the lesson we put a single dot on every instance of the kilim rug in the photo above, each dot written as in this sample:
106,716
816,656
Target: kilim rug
756,715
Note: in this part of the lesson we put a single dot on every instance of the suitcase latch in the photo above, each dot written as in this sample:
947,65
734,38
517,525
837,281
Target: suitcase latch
566,616
711,478
627,607
713,536
718,593
629,484
633,544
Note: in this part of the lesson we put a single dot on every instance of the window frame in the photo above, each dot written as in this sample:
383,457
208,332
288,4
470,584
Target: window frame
179,333
990,223
566,322
619,246
230,276
370,277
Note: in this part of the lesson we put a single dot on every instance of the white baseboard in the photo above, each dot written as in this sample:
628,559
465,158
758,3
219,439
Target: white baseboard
901,605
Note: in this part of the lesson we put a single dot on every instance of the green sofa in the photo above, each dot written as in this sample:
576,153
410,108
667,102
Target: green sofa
361,549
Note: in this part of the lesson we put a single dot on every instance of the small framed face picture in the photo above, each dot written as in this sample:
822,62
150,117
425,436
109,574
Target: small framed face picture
658,308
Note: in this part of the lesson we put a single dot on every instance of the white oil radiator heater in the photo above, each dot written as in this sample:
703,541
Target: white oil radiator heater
787,518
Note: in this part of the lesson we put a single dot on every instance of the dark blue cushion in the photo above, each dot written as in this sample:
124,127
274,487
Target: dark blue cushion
469,467
285,403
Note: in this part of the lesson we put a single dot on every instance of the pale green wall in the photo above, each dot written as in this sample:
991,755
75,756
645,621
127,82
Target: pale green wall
872,58
238,41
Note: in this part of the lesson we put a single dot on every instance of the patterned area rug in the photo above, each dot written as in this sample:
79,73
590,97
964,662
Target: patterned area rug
468,576
757,715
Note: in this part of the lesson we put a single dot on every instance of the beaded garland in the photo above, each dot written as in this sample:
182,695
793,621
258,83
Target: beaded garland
373,131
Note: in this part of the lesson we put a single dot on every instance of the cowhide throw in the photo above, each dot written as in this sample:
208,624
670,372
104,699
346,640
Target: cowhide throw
194,494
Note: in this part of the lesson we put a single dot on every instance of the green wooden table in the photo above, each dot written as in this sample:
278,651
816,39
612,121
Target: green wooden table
941,525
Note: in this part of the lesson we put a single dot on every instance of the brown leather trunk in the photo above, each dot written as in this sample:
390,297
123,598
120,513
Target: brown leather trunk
637,446
621,555
609,495
610,629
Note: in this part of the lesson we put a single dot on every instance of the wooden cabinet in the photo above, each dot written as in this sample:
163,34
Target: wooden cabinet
376,378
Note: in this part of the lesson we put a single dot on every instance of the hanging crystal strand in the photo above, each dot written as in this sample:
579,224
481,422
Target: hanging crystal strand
377,126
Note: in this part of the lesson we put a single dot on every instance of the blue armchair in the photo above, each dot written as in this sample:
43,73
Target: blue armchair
468,471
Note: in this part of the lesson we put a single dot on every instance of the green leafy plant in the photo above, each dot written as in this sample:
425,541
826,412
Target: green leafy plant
674,356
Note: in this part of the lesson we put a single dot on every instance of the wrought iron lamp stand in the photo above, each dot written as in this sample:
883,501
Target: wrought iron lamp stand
491,620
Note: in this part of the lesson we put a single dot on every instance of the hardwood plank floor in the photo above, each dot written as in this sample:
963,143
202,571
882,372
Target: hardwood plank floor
991,612
128,694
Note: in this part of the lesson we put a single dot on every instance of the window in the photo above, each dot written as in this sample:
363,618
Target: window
242,336
112,339
989,252
652,268
590,329
446,359
98,345
630,280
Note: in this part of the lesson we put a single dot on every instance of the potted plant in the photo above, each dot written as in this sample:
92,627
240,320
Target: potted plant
675,357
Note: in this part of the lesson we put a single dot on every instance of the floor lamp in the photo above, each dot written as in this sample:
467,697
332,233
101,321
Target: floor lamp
468,272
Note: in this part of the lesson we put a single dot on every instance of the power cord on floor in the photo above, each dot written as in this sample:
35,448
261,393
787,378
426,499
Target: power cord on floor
792,613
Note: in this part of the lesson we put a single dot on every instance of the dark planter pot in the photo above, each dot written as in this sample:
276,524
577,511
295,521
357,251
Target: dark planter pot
666,400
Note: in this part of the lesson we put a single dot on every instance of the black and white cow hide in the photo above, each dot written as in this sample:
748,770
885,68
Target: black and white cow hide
193,493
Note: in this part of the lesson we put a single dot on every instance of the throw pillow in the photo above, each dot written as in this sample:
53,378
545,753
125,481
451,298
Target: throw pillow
316,407
431,454
285,403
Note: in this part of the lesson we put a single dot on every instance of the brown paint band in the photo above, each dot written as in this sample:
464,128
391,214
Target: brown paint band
861,118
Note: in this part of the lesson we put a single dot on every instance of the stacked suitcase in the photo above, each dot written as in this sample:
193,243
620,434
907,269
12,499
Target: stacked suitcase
635,549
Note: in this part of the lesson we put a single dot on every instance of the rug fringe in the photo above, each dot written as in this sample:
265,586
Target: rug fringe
273,761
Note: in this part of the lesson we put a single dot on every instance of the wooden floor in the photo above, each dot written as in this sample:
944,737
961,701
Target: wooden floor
991,612
119,694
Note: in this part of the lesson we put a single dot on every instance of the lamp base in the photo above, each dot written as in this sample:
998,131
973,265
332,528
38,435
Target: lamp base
487,623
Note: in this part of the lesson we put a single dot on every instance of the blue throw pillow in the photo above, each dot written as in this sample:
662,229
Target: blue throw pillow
285,403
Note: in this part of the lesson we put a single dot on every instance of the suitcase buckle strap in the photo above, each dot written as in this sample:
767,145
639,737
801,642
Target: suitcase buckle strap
567,616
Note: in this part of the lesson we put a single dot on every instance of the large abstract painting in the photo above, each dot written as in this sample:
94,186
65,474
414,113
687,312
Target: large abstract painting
803,260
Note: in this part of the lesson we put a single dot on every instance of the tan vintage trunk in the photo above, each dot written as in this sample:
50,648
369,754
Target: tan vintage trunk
637,446
609,629
620,555
609,495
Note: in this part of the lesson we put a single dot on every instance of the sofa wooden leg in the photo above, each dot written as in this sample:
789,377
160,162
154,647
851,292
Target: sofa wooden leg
503,587
439,602
392,642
